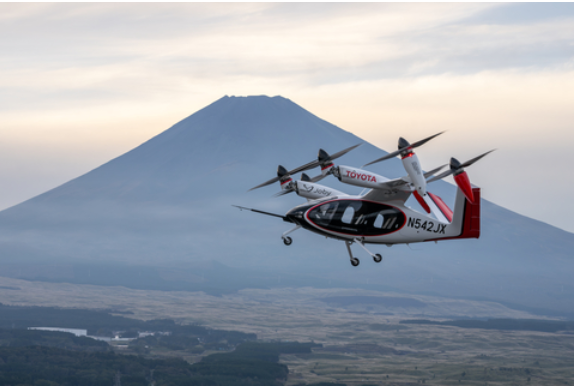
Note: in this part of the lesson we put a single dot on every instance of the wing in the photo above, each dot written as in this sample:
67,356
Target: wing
392,190
396,190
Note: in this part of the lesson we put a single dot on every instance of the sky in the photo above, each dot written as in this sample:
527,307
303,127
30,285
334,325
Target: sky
83,83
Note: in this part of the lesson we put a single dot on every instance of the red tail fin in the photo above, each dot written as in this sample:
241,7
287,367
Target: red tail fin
472,217
469,218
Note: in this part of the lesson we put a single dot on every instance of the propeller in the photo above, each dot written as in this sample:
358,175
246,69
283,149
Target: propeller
305,177
324,160
403,147
433,171
283,175
291,186
457,169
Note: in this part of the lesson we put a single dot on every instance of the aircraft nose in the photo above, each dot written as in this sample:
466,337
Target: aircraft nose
295,214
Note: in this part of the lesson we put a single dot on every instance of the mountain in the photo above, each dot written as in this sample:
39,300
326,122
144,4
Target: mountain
160,216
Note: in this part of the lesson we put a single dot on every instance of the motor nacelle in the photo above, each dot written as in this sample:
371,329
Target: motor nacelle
360,177
325,161
310,190
413,167
284,178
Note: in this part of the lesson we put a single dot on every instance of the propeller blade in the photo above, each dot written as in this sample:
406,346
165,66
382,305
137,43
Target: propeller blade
441,176
306,178
389,156
335,156
433,171
307,166
282,172
421,142
474,160
405,148
317,178
283,192
268,182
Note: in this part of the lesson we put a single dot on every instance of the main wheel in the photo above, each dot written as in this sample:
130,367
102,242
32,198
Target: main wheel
355,262
287,241
377,258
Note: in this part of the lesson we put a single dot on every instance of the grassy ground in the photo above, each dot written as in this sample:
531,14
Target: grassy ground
363,343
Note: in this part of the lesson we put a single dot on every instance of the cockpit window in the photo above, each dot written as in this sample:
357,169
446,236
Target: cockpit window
323,215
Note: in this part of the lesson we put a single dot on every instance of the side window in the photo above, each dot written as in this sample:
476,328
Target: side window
389,219
390,223
378,221
352,212
348,215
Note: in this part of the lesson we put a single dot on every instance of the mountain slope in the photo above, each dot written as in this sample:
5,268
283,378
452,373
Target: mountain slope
167,204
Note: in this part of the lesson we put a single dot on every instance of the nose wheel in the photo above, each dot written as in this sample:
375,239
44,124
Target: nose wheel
287,240
355,261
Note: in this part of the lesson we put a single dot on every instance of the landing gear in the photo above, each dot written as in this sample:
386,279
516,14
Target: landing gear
355,261
286,239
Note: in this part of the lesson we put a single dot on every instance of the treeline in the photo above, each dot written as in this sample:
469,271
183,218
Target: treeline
249,364
176,342
26,338
504,324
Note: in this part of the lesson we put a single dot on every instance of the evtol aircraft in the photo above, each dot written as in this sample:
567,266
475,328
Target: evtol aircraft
380,215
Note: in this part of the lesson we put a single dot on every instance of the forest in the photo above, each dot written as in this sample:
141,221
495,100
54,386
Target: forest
249,364
37,357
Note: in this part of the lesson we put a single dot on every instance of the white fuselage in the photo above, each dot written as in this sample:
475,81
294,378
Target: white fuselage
349,217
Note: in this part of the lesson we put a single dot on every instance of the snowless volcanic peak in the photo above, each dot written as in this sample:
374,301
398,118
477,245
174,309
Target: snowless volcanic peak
224,147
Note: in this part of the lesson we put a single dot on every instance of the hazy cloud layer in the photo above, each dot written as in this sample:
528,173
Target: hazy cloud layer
81,83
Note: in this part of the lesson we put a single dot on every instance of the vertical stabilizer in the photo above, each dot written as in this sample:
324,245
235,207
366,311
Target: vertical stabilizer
466,218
